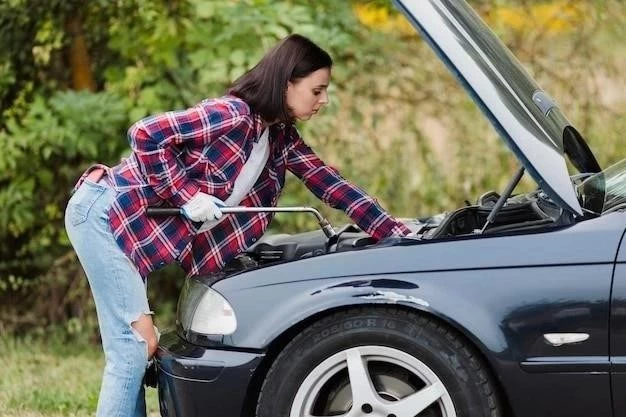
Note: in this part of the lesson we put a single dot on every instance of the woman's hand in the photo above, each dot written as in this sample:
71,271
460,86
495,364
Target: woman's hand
203,207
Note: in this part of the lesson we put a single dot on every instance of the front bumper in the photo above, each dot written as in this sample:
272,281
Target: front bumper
196,381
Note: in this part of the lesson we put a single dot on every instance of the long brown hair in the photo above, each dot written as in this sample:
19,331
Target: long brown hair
263,87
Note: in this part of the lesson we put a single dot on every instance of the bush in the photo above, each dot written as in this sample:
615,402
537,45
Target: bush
405,132
44,153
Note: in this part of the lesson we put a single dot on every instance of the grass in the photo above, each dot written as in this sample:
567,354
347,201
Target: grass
53,380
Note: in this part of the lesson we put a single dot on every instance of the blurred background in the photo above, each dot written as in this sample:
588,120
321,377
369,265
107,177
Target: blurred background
74,75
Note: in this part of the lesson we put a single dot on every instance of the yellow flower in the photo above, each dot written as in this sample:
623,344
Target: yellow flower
381,19
554,17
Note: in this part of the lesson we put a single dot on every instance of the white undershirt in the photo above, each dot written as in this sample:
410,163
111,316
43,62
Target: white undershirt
247,176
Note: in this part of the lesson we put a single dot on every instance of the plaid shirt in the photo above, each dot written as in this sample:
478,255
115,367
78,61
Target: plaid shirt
179,153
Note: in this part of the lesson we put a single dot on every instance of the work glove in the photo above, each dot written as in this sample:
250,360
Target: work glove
203,207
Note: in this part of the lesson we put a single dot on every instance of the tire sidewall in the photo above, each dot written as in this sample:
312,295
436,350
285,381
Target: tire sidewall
419,337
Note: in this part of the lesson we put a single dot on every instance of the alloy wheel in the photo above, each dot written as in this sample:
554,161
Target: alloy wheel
376,381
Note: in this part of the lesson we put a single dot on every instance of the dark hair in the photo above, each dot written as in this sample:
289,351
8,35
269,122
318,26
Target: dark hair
263,87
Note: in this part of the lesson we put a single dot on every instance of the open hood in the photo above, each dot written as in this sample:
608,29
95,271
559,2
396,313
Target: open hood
528,120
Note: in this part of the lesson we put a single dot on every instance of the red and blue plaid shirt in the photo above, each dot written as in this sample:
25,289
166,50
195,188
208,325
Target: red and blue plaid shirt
179,153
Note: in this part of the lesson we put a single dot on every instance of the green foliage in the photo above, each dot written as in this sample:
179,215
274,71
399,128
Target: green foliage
44,151
397,125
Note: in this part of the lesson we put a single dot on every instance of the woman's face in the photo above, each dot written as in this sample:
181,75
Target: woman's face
305,96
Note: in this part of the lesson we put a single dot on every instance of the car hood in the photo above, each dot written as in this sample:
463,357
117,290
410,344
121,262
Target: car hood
527,119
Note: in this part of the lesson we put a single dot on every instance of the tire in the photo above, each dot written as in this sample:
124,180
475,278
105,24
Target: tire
390,354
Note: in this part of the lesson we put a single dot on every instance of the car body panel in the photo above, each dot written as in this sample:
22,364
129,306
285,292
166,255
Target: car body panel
618,333
192,380
621,255
529,121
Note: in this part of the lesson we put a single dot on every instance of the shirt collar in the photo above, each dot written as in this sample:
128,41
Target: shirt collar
258,126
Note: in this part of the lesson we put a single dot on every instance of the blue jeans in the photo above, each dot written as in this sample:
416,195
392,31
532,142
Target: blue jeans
120,297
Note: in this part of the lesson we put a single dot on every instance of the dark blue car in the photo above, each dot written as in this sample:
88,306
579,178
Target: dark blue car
512,306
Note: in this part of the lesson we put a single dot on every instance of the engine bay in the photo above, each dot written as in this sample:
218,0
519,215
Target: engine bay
525,212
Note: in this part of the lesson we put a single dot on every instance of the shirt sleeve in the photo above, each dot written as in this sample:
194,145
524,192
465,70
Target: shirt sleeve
330,187
155,141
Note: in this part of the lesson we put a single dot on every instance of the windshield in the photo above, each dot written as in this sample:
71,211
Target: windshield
605,191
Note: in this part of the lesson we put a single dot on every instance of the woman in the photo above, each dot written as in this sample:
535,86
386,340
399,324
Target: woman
232,150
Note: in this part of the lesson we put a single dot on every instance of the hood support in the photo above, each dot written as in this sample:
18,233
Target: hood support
505,196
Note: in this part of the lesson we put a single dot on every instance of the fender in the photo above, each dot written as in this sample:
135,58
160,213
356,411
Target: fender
307,299
495,308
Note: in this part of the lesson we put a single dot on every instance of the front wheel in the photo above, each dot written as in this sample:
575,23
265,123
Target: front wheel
379,363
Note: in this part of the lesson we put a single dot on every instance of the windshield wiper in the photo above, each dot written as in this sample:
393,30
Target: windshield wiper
502,200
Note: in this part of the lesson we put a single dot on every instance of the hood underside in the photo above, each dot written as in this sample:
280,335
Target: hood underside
527,119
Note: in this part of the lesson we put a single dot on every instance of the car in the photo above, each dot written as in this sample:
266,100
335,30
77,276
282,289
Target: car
512,306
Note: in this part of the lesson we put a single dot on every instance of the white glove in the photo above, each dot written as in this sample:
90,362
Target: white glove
203,207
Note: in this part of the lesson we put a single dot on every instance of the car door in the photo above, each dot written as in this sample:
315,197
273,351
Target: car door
618,333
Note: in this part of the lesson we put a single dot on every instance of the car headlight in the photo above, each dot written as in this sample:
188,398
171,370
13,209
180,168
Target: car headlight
203,310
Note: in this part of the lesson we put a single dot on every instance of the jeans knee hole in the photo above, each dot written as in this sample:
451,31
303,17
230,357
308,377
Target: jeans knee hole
139,336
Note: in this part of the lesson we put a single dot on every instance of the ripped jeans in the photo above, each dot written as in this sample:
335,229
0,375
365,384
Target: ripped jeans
120,297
